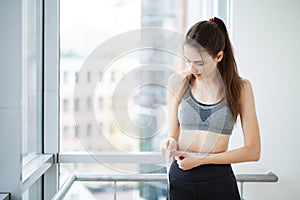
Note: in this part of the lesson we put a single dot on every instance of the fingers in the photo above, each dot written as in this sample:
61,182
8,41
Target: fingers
173,152
181,165
169,144
179,155
164,146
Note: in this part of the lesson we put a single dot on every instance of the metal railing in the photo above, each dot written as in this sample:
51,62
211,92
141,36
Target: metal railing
242,178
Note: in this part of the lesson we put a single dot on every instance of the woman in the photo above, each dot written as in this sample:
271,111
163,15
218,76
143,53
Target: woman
203,106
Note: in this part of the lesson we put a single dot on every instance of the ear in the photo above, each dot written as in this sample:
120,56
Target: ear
219,56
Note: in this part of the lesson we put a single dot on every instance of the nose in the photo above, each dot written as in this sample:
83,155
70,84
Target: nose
192,68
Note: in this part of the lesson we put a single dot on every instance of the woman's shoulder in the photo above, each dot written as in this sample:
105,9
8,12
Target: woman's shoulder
247,90
246,84
178,83
178,78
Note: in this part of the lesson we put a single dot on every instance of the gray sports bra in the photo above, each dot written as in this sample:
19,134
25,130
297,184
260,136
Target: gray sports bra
193,115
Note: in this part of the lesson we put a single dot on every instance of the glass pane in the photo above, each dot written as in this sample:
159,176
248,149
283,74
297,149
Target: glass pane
105,189
32,78
114,73
98,22
124,191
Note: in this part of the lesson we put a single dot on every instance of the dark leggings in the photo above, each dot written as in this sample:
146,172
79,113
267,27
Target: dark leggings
205,182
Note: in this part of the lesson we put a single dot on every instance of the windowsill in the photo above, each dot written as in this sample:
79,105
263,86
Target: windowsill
27,158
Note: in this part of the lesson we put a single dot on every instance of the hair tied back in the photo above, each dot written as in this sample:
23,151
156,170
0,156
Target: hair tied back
212,20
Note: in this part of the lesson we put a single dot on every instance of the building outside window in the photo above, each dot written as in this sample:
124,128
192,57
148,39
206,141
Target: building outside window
65,105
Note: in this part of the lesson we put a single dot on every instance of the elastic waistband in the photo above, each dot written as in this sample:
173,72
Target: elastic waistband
202,172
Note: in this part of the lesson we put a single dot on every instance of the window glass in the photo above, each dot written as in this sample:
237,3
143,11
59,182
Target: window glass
98,22
97,112
132,118
105,189
32,78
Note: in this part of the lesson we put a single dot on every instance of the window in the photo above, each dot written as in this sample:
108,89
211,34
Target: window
76,77
100,127
89,103
65,131
112,76
76,104
123,121
89,130
65,105
66,77
88,76
100,103
76,131
100,74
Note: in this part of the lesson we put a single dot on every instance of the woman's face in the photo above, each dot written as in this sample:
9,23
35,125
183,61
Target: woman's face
200,65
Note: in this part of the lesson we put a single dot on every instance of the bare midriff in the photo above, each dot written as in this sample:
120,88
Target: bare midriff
202,141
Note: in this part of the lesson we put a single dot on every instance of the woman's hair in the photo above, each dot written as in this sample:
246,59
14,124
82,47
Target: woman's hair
212,36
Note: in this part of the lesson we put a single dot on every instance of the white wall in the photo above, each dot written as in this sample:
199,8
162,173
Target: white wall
266,38
10,100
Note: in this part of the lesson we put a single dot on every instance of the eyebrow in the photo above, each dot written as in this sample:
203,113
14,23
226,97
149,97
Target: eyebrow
193,61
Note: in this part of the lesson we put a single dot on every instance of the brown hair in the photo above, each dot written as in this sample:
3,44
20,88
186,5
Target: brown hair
212,36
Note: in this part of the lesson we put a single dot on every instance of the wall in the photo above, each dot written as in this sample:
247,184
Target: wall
266,38
10,101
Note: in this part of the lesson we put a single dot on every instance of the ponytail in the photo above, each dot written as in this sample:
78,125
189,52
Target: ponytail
229,72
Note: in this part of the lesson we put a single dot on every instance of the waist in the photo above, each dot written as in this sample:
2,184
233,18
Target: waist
202,141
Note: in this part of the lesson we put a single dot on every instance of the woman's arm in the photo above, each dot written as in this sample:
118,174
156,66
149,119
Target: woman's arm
251,149
176,87
172,104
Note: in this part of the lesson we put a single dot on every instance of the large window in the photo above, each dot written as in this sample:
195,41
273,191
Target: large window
113,93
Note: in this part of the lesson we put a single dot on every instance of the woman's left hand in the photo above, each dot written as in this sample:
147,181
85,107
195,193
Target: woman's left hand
188,161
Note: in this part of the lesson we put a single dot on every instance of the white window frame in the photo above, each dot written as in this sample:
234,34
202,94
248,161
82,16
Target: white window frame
41,170
51,94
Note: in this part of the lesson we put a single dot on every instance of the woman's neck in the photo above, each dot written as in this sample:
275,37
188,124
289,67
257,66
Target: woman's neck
208,89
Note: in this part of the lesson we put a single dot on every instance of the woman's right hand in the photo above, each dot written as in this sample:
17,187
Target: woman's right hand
169,144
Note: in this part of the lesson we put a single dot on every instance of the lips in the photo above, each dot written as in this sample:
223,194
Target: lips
197,75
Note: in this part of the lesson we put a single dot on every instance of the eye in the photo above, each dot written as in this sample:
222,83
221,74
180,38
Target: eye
199,64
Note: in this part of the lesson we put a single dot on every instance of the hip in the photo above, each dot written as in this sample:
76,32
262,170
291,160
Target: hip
201,173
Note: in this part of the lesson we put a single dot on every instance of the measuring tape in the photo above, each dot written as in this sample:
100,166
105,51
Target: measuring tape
168,151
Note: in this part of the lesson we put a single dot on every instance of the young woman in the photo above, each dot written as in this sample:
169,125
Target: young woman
203,106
